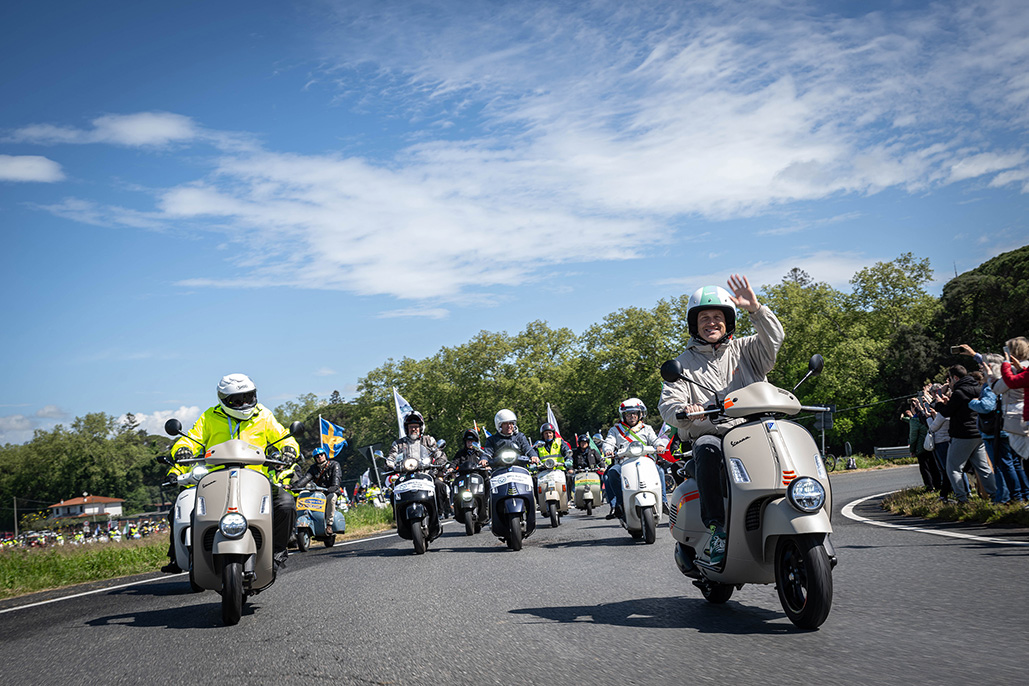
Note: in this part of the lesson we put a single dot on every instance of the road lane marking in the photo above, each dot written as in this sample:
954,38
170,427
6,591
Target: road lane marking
159,578
848,512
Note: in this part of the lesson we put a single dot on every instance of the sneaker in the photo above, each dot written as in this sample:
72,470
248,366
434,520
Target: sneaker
715,549
279,559
610,515
172,568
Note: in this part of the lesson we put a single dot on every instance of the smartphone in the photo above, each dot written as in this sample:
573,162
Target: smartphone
955,350
1006,351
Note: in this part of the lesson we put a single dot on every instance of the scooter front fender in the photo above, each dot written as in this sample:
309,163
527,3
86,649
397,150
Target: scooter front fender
244,545
644,499
513,506
782,519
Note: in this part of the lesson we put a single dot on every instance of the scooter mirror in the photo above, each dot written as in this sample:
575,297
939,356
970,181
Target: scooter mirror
296,428
816,364
173,427
671,371
164,459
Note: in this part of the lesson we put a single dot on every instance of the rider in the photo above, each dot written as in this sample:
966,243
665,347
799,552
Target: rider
630,429
327,474
239,415
471,451
508,433
405,446
551,445
722,363
584,456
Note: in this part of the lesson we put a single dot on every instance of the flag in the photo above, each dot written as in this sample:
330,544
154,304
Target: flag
366,480
551,419
403,409
332,436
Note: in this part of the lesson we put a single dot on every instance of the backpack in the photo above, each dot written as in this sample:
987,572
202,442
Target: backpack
991,423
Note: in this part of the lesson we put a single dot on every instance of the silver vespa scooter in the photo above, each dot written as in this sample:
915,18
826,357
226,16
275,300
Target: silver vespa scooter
232,521
778,501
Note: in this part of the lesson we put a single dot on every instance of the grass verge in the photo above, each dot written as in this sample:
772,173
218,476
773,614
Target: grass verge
872,462
27,570
918,502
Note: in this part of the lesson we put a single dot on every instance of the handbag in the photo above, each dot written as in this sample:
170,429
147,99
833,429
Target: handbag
929,443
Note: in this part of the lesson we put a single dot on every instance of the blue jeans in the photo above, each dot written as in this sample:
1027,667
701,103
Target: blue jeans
1009,487
613,484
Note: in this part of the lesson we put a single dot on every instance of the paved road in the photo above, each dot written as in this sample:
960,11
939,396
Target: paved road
582,604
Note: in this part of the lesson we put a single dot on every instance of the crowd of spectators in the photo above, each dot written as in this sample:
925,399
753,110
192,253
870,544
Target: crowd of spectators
975,423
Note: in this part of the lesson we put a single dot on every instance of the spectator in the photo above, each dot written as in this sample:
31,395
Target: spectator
939,426
966,443
1013,404
918,428
995,438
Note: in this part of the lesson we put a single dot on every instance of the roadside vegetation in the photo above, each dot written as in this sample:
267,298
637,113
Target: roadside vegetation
919,502
28,570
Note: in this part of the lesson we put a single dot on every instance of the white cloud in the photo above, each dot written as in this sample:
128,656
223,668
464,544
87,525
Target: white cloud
833,268
142,129
426,312
153,423
325,371
51,412
29,168
14,423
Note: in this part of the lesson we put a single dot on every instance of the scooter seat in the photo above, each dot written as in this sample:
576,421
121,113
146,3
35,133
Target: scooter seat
689,469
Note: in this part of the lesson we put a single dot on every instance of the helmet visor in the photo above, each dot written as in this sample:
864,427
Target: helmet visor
241,401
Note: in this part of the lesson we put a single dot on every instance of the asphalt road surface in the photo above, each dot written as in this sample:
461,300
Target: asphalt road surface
582,604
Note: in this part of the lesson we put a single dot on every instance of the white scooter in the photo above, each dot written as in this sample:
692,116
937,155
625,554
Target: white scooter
182,514
641,491
552,491
778,500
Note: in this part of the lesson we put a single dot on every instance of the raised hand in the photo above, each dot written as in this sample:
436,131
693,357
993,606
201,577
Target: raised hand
744,294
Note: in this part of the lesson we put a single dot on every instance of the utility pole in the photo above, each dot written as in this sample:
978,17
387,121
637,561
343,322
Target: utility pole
16,517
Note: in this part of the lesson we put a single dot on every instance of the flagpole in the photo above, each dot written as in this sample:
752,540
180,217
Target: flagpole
371,451
320,434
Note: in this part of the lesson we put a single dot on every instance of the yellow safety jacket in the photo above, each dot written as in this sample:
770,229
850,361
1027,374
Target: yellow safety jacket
555,449
214,427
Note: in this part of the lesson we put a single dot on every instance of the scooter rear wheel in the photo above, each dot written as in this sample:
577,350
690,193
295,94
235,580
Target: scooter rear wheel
803,578
232,592
418,538
514,528
715,592
469,523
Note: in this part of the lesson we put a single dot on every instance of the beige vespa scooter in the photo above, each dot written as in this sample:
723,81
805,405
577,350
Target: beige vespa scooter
552,491
232,521
778,502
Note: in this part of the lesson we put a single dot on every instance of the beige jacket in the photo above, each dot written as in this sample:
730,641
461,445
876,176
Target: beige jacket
729,367
1012,399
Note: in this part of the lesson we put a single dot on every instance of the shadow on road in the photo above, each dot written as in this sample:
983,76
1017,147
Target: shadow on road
616,541
173,586
202,616
670,613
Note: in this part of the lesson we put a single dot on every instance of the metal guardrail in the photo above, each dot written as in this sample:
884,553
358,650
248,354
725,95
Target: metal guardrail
894,453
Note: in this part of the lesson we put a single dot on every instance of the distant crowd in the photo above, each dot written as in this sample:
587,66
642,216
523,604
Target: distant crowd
85,535
970,432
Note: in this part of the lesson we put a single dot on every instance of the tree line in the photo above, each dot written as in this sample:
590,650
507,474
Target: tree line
881,341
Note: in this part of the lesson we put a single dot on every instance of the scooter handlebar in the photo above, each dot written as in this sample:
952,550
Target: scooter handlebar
814,408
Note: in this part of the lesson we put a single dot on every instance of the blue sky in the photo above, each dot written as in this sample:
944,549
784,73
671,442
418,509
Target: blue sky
299,191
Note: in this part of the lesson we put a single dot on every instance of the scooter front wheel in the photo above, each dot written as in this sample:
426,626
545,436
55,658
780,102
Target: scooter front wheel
514,531
715,592
469,523
649,526
589,508
232,592
193,585
303,540
418,538
555,518
803,578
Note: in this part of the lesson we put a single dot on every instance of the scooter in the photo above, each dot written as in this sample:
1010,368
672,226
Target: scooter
641,491
469,496
512,509
778,503
232,521
311,519
414,500
552,491
587,490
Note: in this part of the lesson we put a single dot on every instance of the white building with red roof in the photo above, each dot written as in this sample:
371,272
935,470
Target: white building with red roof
87,506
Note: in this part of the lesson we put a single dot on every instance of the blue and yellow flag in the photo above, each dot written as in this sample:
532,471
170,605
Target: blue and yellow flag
333,437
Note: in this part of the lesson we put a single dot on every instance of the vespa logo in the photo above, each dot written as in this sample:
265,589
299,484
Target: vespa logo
207,484
736,443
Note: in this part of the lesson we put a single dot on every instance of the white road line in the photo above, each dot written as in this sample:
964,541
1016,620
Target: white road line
848,512
158,578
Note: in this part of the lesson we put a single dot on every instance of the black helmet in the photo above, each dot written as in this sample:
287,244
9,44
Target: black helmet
547,427
414,418
471,435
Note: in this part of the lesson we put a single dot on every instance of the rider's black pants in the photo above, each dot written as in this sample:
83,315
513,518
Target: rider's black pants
284,518
708,461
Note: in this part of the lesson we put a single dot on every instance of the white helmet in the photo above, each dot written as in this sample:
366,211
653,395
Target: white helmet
711,298
238,396
504,416
632,405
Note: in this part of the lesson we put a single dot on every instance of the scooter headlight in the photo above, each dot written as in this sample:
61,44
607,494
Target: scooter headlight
550,463
806,494
466,495
409,464
636,449
508,456
233,525
199,472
